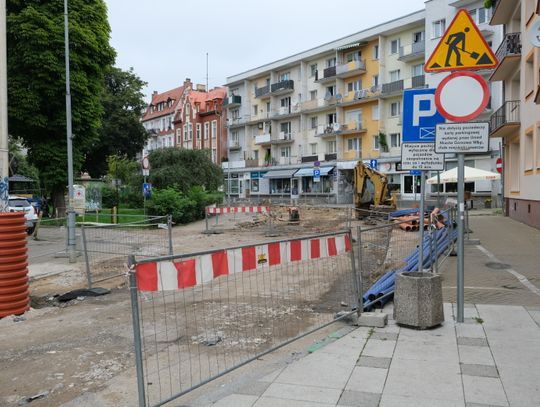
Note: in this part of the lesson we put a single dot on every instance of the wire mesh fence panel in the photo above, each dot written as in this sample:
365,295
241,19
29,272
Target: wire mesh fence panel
221,319
49,238
107,246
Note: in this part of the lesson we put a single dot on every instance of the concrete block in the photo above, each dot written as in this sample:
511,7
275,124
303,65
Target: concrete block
418,300
373,319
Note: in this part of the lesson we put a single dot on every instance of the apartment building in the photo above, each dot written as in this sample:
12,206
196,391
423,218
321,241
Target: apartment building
323,108
187,117
439,15
517,121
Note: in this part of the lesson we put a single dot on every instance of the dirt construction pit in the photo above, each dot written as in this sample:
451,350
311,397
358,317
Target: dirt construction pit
67,354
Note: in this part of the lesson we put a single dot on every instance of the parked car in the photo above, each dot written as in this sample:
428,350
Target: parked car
21,204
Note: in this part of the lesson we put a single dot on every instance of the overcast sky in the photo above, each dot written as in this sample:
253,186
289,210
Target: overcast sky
166,41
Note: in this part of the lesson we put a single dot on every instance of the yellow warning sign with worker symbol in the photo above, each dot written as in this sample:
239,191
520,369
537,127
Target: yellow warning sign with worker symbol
461,47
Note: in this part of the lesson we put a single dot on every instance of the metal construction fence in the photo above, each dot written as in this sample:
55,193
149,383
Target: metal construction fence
106,246
234,214
197,316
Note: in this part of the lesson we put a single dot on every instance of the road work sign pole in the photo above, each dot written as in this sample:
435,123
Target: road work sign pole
422,211
460,243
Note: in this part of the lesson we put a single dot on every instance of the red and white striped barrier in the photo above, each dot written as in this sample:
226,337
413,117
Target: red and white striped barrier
237,209
174,275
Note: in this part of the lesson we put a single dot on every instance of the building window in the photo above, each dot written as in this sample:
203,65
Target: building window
417,70
190,131
285,152
235,114
395,75
394,46
330,62
284,76
395,109
480,15
529,75
375,112
185,132
214,155
376,52
418,37
354,144
178,136
353,56
206,130
375,80
313,95
314,122
376,144
331,118
354,86
198,131
313,70
313,148
214,128
255,110
438,28
331,147
395,139
285,128
528,151
234,136
330,91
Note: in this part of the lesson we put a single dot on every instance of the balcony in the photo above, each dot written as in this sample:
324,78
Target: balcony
282,138
329,74
502,11
232,101
252,163
351,69
506,120
309,158
229,165
418,81
315,104
234,145
235,122
358,95
286,111
352,127
282,88
412,51
392,88
327,130
263,92
509,56
330,157
263,139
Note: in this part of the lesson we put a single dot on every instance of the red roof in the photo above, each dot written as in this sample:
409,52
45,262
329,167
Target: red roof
203,97
173,94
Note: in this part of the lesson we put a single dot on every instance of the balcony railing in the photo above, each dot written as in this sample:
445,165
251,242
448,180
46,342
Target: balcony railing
510,45
265,90
328,73
330,157
352,155
234,145
263,139
413,50
282,138
508,113
350,68
282,87
392,87
419,81
309,158
232,101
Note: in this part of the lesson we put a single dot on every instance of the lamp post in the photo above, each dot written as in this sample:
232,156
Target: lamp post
4,156
71,244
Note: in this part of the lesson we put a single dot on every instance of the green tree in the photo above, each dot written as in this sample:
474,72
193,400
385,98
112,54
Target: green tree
121,133
36,81
183,169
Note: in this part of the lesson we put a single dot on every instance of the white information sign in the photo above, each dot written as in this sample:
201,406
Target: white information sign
421,156
79,198
462,138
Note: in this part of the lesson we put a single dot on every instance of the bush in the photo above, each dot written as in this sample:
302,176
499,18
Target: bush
108,196
183,208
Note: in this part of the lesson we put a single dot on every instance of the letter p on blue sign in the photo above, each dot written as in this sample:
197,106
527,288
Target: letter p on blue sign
420,115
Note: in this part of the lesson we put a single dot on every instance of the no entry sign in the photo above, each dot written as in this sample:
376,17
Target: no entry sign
462,96
499,165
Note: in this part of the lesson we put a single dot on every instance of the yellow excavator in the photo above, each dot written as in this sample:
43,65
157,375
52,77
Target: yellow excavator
371,190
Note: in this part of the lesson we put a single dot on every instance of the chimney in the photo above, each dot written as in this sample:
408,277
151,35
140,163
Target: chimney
154,93
201,88
187,83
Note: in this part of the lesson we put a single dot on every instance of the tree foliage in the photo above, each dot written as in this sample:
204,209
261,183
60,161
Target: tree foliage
183,169
121,133
36,80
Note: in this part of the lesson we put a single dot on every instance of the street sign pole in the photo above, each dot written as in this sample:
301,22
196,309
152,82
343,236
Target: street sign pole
422,211
460,239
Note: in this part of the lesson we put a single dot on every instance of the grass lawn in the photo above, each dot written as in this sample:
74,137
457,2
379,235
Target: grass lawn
105,216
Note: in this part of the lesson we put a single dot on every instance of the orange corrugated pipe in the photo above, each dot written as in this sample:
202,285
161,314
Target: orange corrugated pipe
14,288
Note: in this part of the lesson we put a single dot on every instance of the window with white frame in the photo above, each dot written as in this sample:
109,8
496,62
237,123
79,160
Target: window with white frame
214,128
418,37
313,95
312,70
178,136
376,144
235,114
395,109
394,46
331,147
353,56
354,117
190,131
314,121
375,80
188,110
330,62
214,155
284,76
285,152
395,75
198,131
185,132
375,112
206,130
354,144
331,118
255,110
395,139
480,15
417,70
330,90
234,136
354,85
376,51
438,28
285,128
313,148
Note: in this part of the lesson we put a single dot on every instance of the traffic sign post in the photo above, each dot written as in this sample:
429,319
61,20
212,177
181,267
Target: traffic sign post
420,115
316,175
421,156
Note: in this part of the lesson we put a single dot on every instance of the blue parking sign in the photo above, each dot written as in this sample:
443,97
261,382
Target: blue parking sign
420,115
316,175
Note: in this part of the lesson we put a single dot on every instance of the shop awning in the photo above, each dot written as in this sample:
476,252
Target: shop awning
280,173
308,172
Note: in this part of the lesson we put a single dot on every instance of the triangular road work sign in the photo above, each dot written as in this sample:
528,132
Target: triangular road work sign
461,47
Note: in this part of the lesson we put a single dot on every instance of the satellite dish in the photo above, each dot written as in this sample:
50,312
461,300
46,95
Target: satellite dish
339,96
336,126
